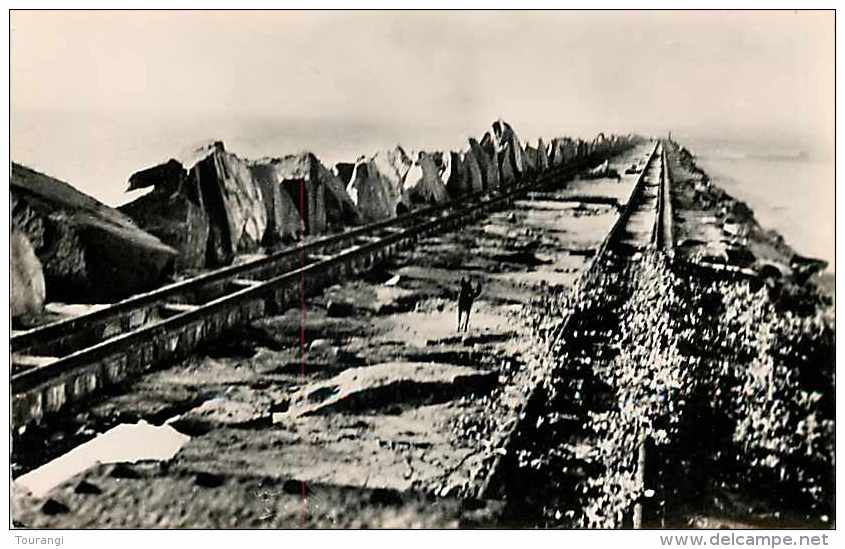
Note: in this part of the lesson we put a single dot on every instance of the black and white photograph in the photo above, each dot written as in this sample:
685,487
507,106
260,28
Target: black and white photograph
555,269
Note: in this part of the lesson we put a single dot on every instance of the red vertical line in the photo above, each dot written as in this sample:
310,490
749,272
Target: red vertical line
303,488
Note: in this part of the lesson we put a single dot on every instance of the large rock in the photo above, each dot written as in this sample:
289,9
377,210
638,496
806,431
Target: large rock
530,159
600,144
369,193
472,154
393,166
472,175
344,171
317,193
582,149
341,212
542,156
27,278
283,220
486,154
174,212
563,151
238,218
89,252
557,152
509,152
507,173
451,169
554,153
423,184
220,185
377,184
459,176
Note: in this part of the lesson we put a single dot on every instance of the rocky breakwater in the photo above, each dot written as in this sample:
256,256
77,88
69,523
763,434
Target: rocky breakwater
205,205
565,149
536,159
392,182
209,205
87,251
213,205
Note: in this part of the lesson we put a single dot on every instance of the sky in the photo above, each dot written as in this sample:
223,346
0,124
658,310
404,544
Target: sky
97,96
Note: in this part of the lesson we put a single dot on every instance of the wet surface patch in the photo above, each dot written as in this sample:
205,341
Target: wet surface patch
124,443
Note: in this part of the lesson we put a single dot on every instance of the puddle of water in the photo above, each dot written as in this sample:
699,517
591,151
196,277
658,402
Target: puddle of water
128,442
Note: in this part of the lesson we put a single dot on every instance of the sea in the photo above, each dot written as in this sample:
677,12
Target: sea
791,189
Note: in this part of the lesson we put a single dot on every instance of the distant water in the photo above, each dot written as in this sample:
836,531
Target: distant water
789,189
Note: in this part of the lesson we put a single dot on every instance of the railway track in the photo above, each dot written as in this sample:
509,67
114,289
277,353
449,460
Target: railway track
67,361
644,223
637,226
